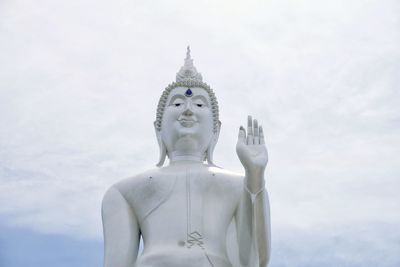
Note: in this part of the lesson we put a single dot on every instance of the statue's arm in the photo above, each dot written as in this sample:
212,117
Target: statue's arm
253,224
121,231
253,212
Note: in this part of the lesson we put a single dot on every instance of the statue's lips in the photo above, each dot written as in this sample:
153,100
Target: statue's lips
187,123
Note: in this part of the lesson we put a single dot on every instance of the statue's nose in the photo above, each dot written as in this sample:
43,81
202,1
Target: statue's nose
188,110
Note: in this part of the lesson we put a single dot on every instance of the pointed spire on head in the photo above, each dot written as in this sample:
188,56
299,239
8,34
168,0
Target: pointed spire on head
188,53
188,71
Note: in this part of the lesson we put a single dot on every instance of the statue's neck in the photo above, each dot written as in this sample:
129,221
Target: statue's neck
186,149
177,156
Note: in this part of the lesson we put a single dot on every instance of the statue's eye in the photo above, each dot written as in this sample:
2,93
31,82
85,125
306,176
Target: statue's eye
199,105
177,104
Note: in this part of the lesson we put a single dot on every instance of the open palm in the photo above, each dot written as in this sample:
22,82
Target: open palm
251,149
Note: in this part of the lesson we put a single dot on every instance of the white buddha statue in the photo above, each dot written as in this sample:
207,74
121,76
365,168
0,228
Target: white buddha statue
191,213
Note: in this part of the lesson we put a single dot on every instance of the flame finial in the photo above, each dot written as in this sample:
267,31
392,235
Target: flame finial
188,52
188,71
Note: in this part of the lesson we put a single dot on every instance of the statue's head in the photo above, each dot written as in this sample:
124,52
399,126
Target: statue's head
187,121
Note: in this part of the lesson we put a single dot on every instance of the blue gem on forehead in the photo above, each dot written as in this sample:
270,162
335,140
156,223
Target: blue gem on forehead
188,92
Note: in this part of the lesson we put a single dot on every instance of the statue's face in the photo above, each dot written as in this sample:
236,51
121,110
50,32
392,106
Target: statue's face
187,123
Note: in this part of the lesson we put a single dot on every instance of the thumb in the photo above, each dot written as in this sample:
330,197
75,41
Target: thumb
242,135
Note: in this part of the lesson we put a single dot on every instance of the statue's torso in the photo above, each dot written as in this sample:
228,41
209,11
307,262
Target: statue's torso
183,213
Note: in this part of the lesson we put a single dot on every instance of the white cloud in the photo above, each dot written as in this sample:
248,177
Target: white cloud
339,245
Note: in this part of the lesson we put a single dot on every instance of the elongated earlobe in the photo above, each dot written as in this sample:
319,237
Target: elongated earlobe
210,149
163,149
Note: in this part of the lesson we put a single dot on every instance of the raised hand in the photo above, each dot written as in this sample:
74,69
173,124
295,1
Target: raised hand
251,149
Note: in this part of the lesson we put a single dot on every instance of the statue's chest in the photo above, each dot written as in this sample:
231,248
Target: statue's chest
189,198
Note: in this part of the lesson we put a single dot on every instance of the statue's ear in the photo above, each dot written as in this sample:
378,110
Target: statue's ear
163,149
210,149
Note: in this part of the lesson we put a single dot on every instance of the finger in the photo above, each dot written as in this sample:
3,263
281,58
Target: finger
249,125
262,141
250,139
242,135
256,133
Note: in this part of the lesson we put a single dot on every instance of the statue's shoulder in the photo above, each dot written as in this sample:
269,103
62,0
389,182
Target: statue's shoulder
123,186
146,190
224,173
228,179
122,189
136,180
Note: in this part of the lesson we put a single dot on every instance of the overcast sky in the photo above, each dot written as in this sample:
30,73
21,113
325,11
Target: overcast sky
79,85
